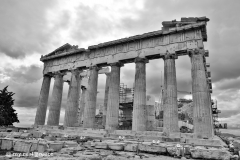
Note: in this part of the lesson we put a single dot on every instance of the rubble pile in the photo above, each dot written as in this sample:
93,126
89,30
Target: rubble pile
62,146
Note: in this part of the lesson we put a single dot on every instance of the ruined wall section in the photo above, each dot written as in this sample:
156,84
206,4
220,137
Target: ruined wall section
148,44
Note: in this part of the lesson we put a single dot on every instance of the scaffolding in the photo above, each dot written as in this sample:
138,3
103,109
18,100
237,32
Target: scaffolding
215,113
125,94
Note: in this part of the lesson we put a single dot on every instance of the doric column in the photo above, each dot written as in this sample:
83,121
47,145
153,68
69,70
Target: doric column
71,111
201,103
106,98
139,120
91,98
82,104
43,101
170,107
113,98
55,107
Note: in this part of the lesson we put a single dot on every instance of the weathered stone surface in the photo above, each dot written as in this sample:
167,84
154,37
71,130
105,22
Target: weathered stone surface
7,144
106,98
16,134
113,98
82,104
210,154
147,44
112,157
4,134
55,107
56,146
70,144
91,97
201,103
25,135
170,113
73,100
42,147
236,143
22,146
139,120
43,101
146,147
116,146
132,147
101,145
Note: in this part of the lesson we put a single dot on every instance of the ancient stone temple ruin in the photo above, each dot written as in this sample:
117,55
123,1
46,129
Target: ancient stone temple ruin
176,38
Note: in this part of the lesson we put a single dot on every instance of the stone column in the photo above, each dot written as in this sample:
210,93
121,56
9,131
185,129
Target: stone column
55,107
43,101
91,98
113,97
106,98
201,103
139,121
71,111
82,104
170,107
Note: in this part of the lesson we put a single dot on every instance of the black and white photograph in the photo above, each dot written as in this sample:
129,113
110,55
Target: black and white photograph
116,80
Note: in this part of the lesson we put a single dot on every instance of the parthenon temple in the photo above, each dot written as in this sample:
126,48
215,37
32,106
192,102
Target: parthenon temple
176,38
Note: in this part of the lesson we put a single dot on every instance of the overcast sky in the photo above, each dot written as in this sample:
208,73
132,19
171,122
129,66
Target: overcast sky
31,28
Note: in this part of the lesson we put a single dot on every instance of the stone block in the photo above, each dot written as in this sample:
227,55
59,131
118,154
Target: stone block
70,144
42,147
4,134
25,135
115,146
132,147
152,148
49,138
216,154
37,134
207,142
168,139
236,144
22,146
34,146
56,146
7,144
101,145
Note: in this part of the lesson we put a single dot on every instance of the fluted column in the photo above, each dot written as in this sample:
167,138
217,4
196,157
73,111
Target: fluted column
82,104
170,107
43,101
113,97
55,107
106,98
139,121
201,104
91,98
71,111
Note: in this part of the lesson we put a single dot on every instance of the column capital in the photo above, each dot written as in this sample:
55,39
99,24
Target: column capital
141,60
50,74
118,64
58,73
170,56
108,74
196,52
94,67
76,71
83,87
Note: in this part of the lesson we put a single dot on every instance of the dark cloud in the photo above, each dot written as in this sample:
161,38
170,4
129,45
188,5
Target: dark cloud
25,27
228,113
24,74
90,24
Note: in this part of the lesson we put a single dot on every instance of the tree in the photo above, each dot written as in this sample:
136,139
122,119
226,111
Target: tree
7,113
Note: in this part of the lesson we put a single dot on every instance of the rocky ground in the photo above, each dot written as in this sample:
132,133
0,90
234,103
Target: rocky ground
36,145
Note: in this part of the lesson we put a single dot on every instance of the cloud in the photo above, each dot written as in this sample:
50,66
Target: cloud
26,27
24,74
